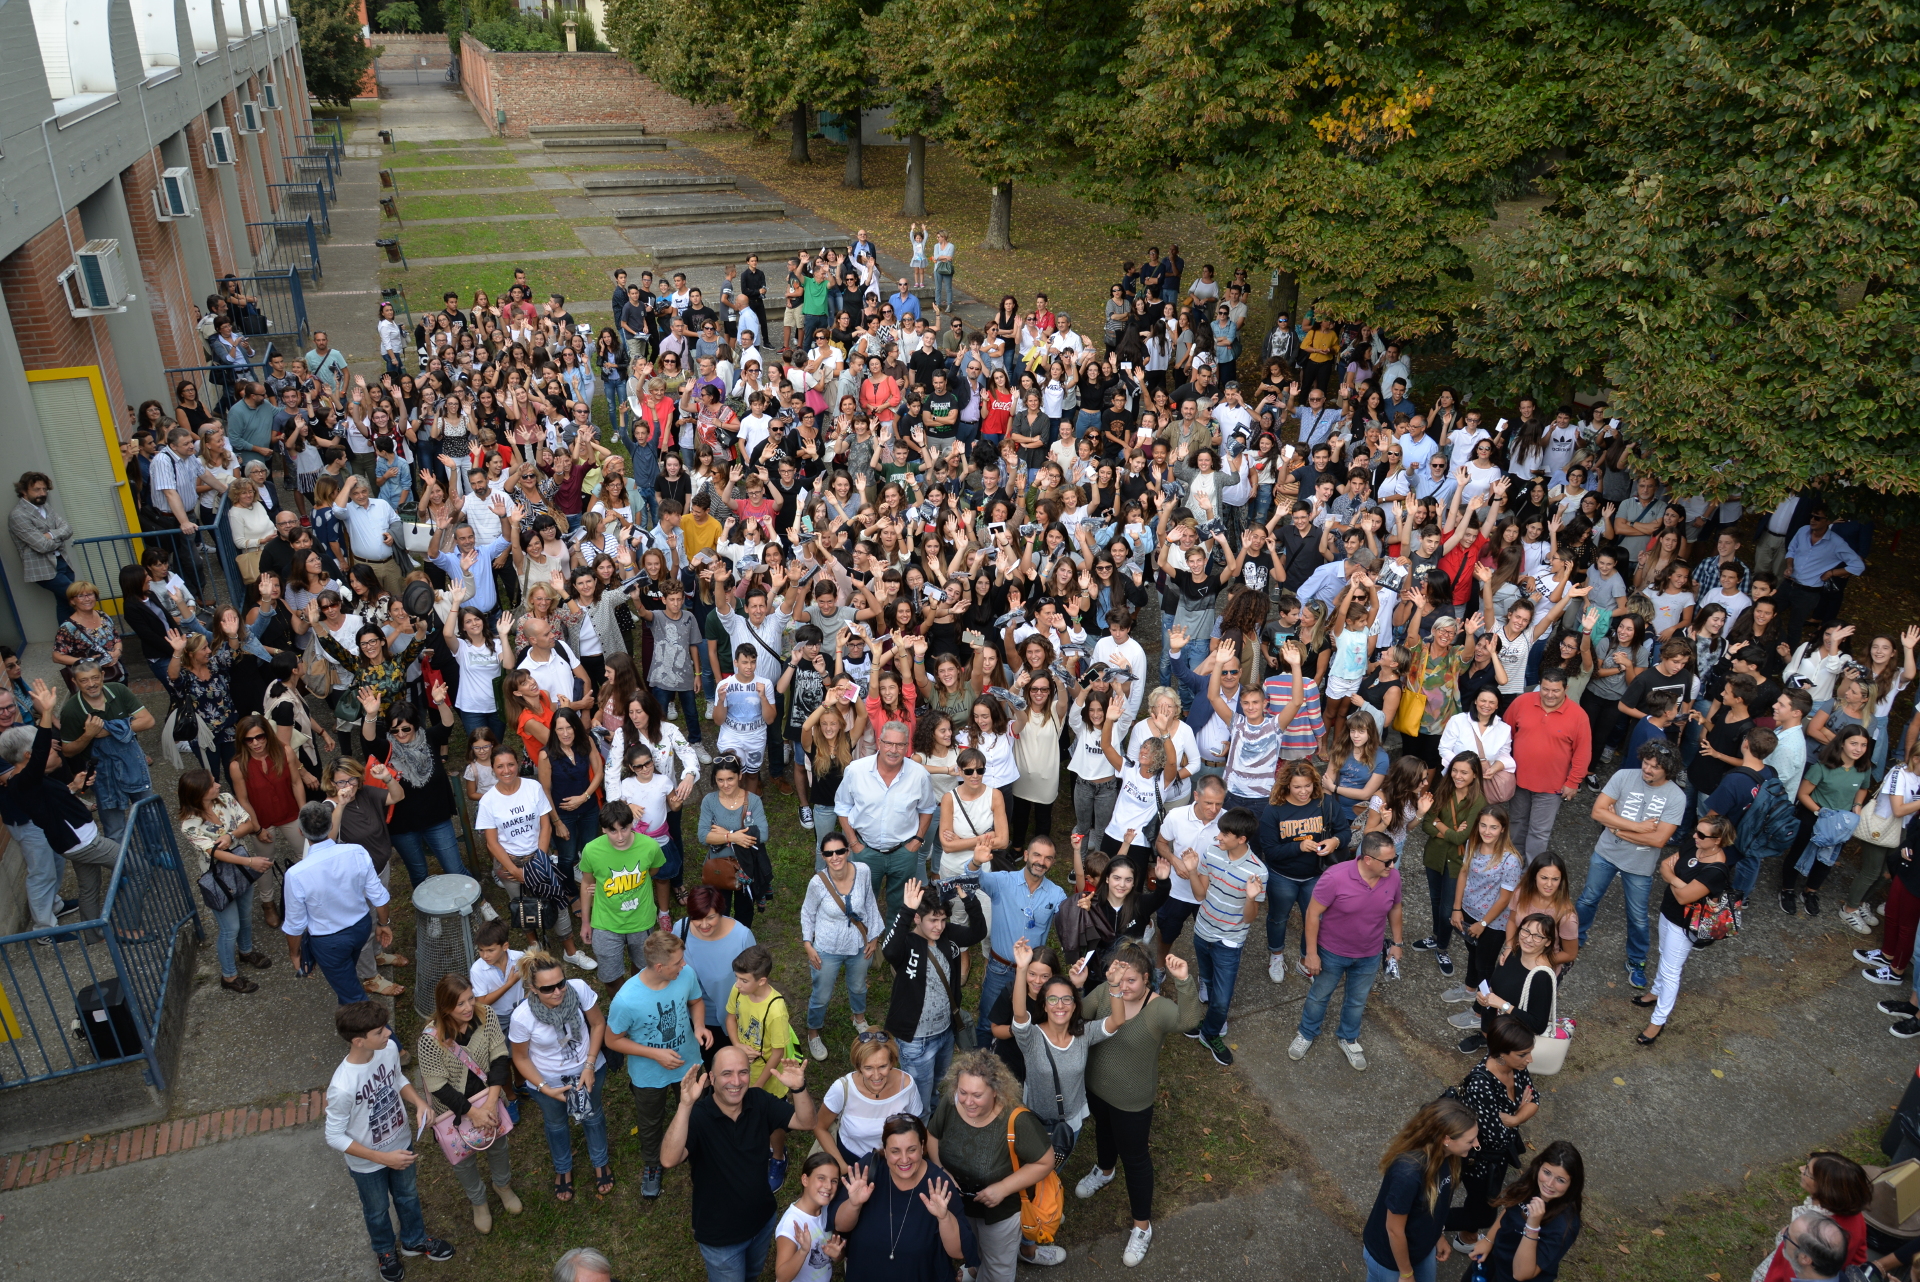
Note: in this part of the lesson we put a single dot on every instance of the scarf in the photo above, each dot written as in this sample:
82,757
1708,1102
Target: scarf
413,760
566,1019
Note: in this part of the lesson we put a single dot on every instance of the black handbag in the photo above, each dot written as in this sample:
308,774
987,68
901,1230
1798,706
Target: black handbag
962,1030
1059,1130
222,883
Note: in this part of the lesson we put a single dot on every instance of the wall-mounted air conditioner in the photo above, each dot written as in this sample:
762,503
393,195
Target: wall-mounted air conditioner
101,282
220,148
175,199
270,96
250,118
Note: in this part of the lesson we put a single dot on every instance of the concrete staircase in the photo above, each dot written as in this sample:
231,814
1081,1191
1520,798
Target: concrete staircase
683,246
656,184
572,138
719,210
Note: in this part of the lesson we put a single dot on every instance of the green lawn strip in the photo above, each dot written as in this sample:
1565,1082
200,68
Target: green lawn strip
449,144
477,206
489,238
441,159
590,279
421,179
1720,1233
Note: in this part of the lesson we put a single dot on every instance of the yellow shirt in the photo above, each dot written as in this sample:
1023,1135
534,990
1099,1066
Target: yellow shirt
765,1026
701,534
1320,345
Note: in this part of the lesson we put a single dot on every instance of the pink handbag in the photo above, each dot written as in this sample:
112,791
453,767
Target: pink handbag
459,1138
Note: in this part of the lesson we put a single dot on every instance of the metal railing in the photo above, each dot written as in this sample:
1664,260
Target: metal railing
300,200
99,560
287,246
314,169
331,135
71,1006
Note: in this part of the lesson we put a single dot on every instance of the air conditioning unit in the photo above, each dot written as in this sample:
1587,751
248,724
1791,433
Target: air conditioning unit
250,118
270,95
174,199
102,281
220,148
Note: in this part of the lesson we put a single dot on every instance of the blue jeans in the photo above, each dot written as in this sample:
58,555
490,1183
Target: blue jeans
402,1187
1218,968
491,720
1359,972
1378,1272
235,923
997,980
824,979
413,848
336,954
742,1261
583,825
62,579
1747,871
1600,875
925,1060
688,708
943,291
559,1127
1282,894
44,871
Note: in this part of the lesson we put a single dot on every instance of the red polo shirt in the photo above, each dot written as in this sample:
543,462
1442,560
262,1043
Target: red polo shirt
1550,749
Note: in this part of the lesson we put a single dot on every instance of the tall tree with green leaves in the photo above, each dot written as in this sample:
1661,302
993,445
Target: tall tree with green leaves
731,54
333,52
1352,144
1733,250
827,68
900,45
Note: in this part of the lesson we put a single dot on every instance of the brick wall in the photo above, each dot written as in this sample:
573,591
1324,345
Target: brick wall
49,337
163,267
573,88
401,51
246,164
213,201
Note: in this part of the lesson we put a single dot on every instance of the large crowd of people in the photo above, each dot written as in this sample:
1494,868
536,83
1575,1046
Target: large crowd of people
909,572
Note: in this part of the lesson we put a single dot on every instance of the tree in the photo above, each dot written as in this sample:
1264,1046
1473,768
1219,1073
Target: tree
1731,251
900,42
714,54
402,16
827,69
1353,144
333,52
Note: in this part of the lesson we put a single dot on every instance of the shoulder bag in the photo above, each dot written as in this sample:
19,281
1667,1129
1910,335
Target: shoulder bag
1413,700
1061,1130
459,1138
962,1030
224,882
853,918
1876,829
1501,786
1549,1048
1043,1206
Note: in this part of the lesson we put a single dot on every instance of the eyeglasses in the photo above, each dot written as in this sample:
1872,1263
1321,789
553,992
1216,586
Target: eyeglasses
645,763
400,727
1707,836
1385,863
256,738
549,988
1060,1001
872,1037
971,771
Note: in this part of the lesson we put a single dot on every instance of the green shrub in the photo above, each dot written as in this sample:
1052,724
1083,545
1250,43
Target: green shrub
530,33
403,16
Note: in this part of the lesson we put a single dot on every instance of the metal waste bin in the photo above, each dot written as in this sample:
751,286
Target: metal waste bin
107,1022
443,933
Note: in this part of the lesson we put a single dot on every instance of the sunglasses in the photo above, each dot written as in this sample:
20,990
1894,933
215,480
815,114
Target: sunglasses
869,1038
972,771
256,738
549,988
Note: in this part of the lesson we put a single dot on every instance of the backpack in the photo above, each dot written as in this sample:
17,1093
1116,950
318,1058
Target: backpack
1769,825
1043,1206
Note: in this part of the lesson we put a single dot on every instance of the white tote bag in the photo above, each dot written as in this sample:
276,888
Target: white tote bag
1549,1051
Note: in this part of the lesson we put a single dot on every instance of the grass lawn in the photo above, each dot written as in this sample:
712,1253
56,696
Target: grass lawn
449,144
1065,247
425,179
490,238
590,279
531,203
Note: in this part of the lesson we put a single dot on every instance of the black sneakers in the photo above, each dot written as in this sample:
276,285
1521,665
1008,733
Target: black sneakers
1788,904
1906,1028
1812,902
391,1270
435,1249
1906,1010
1427,945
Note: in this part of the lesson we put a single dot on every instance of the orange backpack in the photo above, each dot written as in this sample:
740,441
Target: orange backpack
1043,1206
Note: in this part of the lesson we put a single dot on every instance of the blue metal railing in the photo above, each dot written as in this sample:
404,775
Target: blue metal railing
70,1008
289,246
321,169
98,561
299,200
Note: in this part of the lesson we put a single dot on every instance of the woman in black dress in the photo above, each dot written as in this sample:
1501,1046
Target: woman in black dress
899,1213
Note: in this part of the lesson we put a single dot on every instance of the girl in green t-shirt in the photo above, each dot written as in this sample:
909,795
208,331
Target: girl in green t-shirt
1840,780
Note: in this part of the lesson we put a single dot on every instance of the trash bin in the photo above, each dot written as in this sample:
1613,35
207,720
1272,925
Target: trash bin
107,1021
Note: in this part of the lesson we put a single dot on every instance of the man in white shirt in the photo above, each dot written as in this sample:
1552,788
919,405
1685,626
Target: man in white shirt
366,520
1119,651
516,819
885,804
1190,828
333,897
1395,368
1232,414
1463,438
1416,447
484,509
554,668
1065,339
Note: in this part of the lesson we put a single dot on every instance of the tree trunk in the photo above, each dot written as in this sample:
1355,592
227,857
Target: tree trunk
914,205
1286,295
797,149
853,177
1000,217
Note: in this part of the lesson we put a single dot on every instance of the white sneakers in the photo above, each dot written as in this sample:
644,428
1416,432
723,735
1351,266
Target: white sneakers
1858,919
1355,1056
1464,1019
1459,993
859,1024
1092,1182
1138,1240
583,961
1046,1256
815,1046
1300,1047
701,754
1277,968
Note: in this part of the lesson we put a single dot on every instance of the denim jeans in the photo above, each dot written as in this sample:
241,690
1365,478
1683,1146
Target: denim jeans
1359,972
583,825
559,1127
925,1060
235,923
1218,967
1440,895
943,291
44,871
997,980
1600,875
1282,894
688,708
336,956
113,819
440,839
742,1261
491,720
1377,1272
401,1186
62,580
829,973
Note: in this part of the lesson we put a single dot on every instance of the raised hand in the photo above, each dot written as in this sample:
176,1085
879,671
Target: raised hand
1177,966
369,700
935,1199
694,1084
792,1074
178,640
859,1185
913,893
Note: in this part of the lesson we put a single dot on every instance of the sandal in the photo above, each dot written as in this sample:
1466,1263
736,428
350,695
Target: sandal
603,1180
1643,1040
563,1187
1646,1000
382,987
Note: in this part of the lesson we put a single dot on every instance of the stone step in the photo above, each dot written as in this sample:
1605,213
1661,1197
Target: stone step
719,211
609,142
656,184
730,244
586,130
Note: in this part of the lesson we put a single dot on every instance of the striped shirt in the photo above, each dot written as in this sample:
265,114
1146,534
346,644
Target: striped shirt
1222,918
1307,726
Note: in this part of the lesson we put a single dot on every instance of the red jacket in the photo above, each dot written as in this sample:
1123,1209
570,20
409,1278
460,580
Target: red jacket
1550,749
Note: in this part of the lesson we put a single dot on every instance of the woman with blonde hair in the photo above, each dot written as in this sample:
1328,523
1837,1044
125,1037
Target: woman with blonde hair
980,1109
467,1068
1405,1234
852,1110
1163,721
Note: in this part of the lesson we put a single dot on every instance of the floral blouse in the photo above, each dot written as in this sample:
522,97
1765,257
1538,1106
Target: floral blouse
204,834
389,676
212,698
96,644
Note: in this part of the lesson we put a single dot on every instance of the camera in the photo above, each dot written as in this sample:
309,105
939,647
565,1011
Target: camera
1098,674
1030,529
1392,576
934,594
1008,619
1212,528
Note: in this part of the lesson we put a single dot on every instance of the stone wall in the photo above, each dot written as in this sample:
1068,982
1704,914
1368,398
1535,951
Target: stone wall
573,88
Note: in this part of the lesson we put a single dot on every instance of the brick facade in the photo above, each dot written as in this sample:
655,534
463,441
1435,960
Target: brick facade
573,88
49,336
163,266
213,201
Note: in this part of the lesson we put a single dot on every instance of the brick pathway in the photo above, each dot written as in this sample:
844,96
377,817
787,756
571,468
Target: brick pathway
137,1145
